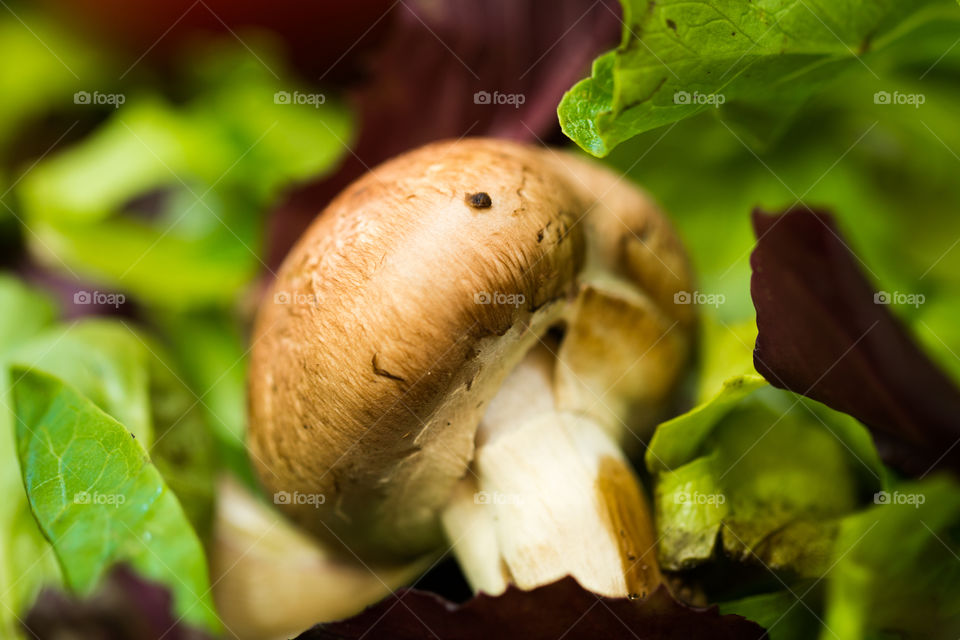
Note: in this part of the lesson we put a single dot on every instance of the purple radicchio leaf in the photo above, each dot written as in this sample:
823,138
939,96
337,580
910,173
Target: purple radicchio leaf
124,607
561,609
459,68
823,333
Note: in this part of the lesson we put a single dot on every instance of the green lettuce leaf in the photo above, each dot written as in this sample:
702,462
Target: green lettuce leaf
727,353
41,64
184,448
757,62
785,615
765,471
28,312
102,360
128,375
25,564
96,515
893,573
869,162
178,192
211,352
896,567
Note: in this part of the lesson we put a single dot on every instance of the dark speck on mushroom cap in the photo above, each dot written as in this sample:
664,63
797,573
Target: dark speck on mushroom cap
479,200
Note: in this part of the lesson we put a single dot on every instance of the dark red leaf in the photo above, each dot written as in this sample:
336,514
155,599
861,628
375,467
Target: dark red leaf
821,334
125,607
561,609
320,37
436,56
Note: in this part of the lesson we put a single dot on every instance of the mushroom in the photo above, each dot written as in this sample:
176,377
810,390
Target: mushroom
272,581
459,351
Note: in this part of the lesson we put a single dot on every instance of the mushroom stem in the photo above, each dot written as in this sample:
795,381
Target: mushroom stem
550,494
271,580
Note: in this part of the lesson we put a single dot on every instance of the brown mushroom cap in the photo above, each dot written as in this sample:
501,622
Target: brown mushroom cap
396,317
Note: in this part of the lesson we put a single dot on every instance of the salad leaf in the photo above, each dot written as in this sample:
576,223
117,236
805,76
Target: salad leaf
211,352
183,450
766,472
25,565
102,360
124,607
786,615
870,162
896,569
28,565
824,332
491,68
35,77
550,611
97,515
124,373
679,58
177,192
680,442
127,375
42,66
34,311
893,572
726,353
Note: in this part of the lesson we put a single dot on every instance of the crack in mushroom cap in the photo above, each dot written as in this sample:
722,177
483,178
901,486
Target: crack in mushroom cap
400,311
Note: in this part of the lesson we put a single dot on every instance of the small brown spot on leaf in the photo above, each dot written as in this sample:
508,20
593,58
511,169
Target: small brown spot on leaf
672,25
